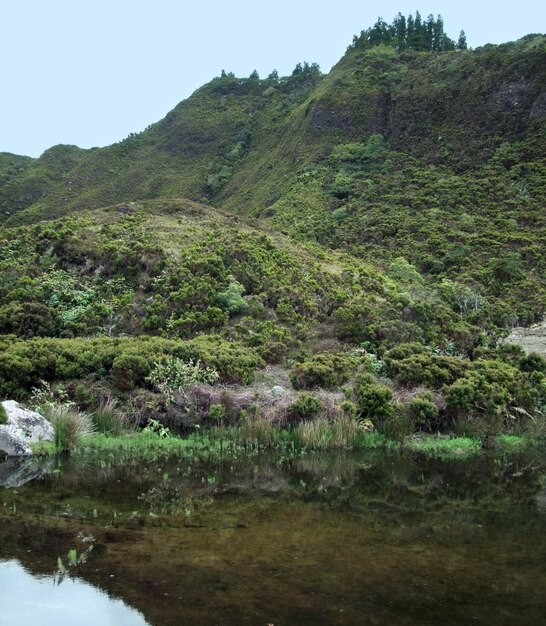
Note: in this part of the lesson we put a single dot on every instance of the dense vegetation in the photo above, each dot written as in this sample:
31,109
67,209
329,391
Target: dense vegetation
368,235
411,33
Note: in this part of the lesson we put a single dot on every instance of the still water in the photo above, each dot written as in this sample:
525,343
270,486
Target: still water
355,538
32,599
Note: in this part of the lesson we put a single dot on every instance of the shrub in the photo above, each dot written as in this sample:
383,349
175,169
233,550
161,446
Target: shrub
84,396
232,299
460,396
348,408
412,364
533,362
490,388
342,186
305,407
423,411
23,364
173,375
327,371
29,319
217,412
363,379
129,370
374,401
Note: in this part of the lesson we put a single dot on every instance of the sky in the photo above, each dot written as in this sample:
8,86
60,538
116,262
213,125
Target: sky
89,72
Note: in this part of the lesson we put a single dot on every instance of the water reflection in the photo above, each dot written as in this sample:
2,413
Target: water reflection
36,600
316,539
16,471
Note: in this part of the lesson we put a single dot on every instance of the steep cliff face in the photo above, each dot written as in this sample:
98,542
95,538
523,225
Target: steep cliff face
451,108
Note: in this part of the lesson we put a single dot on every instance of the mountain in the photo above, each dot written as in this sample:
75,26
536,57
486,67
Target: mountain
399,199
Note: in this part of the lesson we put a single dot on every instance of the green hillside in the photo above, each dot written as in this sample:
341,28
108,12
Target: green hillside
393,153
380,226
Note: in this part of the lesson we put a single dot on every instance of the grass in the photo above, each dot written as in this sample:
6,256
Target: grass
259,435
70,427
340,433
443,447
108,418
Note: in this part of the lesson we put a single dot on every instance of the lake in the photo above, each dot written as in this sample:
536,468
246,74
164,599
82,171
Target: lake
342,538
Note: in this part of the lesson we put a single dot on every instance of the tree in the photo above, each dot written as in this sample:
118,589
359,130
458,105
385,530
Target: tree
438,34
411,32
429,32
400,31
417,41
298,70
461,42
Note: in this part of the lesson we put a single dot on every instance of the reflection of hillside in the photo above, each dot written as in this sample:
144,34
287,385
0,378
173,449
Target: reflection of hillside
293,557
355,481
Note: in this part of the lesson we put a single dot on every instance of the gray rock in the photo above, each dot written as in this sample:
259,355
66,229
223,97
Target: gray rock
277,391
531,339
13,445
512,95
22,428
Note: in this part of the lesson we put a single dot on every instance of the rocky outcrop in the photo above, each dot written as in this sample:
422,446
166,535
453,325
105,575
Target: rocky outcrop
538,109
22,428
532,339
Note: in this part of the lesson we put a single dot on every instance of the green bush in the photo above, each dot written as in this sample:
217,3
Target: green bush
533,362
327,371
28,319
493,388
305,407
174,374
129,370
397,426
231,300
413,364
217,412
3,415
423,411
374,401
349,409
23,364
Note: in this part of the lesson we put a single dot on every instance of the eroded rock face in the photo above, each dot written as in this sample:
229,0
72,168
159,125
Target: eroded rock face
538,109
532,339
512,95
22,428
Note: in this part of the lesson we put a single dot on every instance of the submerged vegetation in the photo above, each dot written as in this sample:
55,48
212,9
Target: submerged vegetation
355,248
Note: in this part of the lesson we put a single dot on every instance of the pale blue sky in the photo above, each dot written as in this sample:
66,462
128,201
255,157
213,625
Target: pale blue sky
89,72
